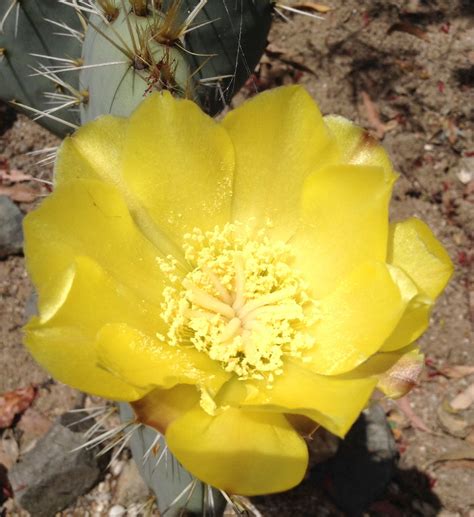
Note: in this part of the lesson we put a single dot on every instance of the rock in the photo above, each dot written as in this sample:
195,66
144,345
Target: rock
11,232
33,426
117,511
131,488
52,475
364,465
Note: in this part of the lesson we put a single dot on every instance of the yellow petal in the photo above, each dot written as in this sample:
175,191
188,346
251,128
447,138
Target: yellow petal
414,248
355,319
179,164
333,401
143,361
356,145
90,298
89,218
344,213
93,152
415,318
161,407
69,356
279,138
414,322
247,453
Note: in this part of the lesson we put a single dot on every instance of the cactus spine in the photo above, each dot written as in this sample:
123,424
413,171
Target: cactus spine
32,52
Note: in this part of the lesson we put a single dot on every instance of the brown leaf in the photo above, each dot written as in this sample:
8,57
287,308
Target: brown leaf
415,421
457,371
20,193
312,6
373,116
463,452
14,176
464,400
13,403
9,450
454,424
409,29
402,376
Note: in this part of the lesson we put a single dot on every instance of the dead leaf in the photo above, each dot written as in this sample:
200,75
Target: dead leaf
374,118
464,400
312,6
409,29
402,376
13,403
415,421
463,452
457,371
470,437
273,51
454,424
20,193
14,176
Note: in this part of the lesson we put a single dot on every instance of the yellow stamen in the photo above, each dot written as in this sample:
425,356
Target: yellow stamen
231,330
241,303
205,300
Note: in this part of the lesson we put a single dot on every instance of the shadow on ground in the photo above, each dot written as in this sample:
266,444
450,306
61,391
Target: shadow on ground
362,478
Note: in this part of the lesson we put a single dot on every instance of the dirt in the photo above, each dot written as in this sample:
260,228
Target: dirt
405,70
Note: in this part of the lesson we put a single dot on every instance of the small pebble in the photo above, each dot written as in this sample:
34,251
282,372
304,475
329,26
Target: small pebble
116,511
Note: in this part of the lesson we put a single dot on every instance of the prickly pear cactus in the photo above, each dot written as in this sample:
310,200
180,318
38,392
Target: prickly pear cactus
177,491
59,57
199,50
39,39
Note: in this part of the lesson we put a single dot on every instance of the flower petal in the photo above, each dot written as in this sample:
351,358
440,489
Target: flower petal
355,319
179,164
93,152
414,248
279,138
143,361
333,401
90,298
69,355
416,316
89,218
356,145
344,211
241,452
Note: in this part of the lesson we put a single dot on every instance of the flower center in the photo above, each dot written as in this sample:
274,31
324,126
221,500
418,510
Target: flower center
242,303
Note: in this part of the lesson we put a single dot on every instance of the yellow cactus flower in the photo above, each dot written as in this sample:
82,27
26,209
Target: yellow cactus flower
224,277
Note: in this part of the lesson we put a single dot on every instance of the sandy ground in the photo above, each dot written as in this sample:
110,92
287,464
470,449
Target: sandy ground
404,70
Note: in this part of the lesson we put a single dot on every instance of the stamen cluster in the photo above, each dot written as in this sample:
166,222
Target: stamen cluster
241,302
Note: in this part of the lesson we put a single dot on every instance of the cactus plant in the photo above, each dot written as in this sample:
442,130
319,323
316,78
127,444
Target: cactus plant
117,51
30,44
177,491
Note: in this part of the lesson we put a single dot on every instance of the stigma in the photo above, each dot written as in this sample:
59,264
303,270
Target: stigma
241,302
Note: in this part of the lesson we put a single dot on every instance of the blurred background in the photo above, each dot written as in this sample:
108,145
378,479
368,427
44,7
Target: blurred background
405,71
